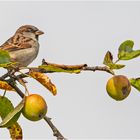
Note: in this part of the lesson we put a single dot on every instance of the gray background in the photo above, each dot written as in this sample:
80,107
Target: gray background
75,33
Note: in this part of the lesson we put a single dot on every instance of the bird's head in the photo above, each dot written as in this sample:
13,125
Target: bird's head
29,31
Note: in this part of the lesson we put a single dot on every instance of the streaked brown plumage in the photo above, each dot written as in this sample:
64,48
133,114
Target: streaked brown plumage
23,47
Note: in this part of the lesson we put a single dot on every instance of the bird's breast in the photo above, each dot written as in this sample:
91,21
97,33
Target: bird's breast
25,56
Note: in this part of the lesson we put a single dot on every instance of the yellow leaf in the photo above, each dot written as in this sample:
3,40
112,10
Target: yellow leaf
44,80
15,132
5,86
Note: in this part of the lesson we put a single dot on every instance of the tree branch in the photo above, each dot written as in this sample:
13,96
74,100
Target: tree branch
81,67
54,68
56,132
11,82
98,68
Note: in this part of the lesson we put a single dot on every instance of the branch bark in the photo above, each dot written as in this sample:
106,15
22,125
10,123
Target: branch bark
81,67
98,68
56,132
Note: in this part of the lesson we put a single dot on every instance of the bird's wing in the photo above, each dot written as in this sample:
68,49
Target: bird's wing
14,44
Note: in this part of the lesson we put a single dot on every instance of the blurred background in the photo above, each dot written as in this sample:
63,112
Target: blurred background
77,33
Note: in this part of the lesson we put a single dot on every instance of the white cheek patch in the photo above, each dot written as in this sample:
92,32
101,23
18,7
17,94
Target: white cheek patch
30,35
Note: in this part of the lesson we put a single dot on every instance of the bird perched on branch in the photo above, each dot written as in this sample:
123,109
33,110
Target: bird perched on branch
23,47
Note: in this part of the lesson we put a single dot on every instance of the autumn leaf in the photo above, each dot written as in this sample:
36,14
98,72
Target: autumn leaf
108,58
108,61
56,68
44,80
15,131
5,86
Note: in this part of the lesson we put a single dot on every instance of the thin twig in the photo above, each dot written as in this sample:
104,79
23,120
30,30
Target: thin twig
98,68
62,66
56,132
20,93
117,61
4,76
82,67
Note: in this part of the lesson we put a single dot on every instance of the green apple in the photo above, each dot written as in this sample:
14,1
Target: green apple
35,107
118,87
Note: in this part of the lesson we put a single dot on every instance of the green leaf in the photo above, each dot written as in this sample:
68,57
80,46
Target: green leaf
5,60
126,51
126,46
108,61
13,115
135,82
52,68
5,108
4,57
128,55
8,64
115,66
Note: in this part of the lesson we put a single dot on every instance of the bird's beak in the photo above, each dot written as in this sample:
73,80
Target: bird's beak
39,32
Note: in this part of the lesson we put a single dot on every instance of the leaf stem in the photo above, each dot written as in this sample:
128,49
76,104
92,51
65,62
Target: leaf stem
117,61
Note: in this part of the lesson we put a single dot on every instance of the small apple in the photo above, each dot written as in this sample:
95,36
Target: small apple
35,107
118,87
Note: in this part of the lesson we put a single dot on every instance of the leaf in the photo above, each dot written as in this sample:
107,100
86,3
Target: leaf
5,60
135,82
126,46
6,107
6,65
53,68
5,86
108,58
115,66
44,80
126,51
128,55
4,57
108,61
15,132
12,116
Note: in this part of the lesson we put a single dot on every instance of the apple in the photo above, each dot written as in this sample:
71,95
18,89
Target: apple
118,87
35,107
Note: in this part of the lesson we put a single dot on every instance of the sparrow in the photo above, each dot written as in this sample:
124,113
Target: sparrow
23,46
